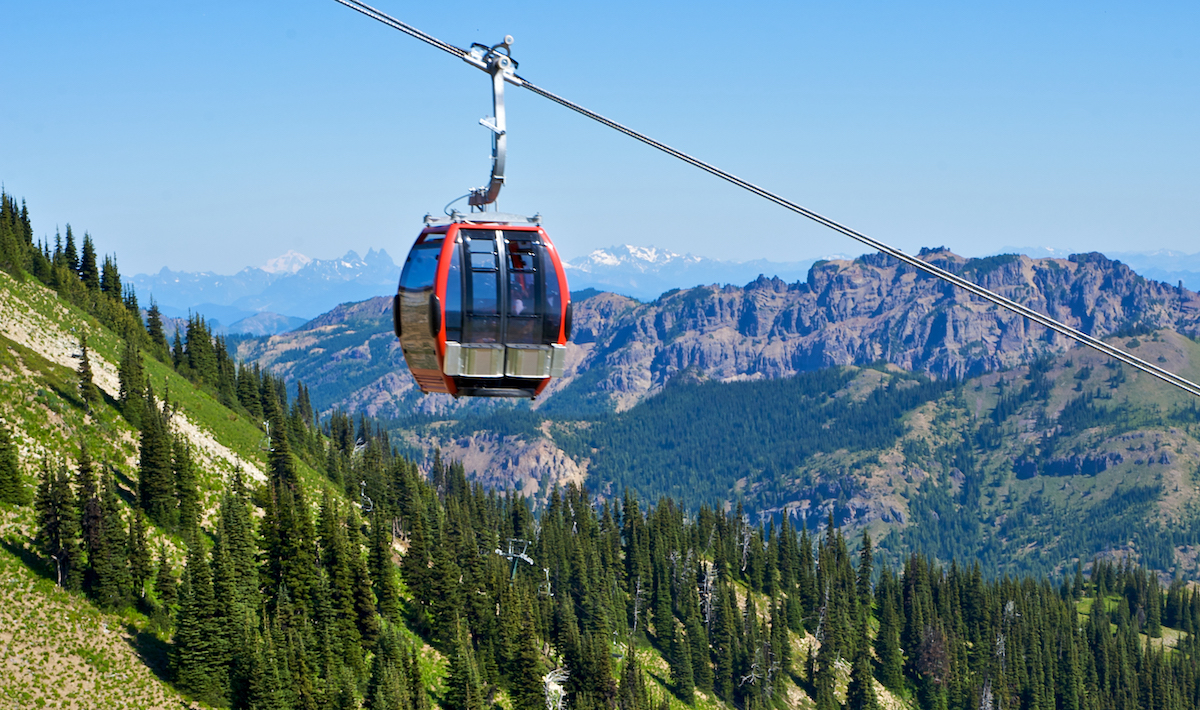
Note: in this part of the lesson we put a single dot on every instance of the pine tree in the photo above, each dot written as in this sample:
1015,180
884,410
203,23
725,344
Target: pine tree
887,640
88,273
12,486
70,255
165,584
87,388
464,689
383,572
860,694
194,646
132,379
681,664
186,485
112,586
139,554
158,337
110,278
156,490
58,525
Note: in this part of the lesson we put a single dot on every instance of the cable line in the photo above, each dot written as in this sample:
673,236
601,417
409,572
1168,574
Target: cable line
1041,319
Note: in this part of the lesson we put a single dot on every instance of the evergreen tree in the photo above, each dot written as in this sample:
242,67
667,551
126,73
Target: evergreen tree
464,688
69,254
860,694
110,278
165,584
887,640
58,525
194,648
132,379
139,554
383,572
632,692
112,586
158,337
90,515
680,659
88,390
389,686
156,489
186,487
12,485
88,273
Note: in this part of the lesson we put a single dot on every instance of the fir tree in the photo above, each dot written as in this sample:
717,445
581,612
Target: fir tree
87,388
860,694
110,278
112,584
90,514
88,273
165,584
464,689
156,489
12,486
70,255
158,337
389,686
194,647
139,554
383,572
186,485
631,694
680,659
132,379
58,525
887,640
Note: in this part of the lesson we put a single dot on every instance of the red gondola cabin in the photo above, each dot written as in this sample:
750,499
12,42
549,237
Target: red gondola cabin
483,307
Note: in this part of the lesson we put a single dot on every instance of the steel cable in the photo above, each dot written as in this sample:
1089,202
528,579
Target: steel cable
931,269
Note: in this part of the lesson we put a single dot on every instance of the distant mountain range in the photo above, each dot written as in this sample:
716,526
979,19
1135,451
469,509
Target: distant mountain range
293,288
284,294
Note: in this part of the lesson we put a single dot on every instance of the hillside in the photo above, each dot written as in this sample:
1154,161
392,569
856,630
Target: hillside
318,568
63,647
60,650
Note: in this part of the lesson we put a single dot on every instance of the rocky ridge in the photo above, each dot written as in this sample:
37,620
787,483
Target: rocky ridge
847,312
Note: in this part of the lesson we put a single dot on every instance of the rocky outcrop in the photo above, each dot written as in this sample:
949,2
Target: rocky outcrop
859,311
867,310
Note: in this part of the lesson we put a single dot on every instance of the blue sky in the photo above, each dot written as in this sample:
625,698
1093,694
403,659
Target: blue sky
215,135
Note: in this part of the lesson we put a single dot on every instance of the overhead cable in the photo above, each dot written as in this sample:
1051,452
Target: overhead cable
931,269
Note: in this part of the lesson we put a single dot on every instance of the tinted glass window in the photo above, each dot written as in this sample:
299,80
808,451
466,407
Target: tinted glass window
483,293
553,300
454,297
421,267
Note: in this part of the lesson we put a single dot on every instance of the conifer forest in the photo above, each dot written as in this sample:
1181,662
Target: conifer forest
353,574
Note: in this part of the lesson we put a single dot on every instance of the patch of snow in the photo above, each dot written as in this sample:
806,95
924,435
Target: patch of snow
291,262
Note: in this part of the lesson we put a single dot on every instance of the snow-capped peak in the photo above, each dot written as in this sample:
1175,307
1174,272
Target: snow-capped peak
289,263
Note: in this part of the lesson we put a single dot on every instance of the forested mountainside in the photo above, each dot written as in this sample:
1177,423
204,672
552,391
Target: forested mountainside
159,548
1025,470
957,431
871,309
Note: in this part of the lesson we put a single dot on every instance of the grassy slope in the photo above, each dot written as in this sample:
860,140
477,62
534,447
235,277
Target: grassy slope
56,648
46,632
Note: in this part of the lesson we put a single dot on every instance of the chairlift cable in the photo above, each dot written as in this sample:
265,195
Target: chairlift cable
931,269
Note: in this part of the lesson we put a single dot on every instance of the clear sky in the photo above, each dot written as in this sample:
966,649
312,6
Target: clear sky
215,135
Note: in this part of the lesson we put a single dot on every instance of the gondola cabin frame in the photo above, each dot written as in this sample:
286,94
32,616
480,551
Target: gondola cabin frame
483,307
